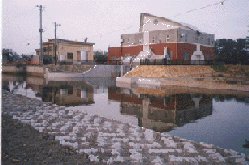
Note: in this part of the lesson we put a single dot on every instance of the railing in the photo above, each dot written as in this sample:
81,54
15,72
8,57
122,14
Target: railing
76,62
90,62
175,62
20,63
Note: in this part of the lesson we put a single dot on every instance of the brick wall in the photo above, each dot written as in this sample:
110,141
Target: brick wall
158,49
177,50
185,47
207,51
117,51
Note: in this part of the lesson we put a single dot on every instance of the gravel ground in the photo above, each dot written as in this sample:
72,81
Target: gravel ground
22,144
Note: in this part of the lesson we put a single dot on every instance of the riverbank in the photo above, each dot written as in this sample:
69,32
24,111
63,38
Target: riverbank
196,76
22,144
105,141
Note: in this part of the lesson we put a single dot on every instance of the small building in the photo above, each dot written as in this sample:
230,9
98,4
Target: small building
67,51
159,38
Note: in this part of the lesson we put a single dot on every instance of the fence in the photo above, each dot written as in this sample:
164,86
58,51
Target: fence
175,62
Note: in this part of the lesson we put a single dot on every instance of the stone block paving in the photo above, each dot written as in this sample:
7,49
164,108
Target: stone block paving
108,141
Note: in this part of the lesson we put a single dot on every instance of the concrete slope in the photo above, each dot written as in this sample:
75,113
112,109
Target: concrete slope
103,71
168,71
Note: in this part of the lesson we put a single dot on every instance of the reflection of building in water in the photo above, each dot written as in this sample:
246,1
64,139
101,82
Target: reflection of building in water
162,113
12,82
68,93
202,108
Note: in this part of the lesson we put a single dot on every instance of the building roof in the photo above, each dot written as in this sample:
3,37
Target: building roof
67,41
142,15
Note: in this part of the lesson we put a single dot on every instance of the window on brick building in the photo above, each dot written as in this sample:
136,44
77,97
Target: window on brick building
186,56
69,55
208,57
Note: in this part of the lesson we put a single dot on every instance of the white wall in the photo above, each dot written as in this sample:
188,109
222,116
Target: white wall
161,25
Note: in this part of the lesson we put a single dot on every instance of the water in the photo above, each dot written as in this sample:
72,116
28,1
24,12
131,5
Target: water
214,117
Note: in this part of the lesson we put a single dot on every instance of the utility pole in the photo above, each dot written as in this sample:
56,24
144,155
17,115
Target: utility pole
55,46
40,30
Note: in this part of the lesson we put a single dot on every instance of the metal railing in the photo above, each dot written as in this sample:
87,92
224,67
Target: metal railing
91,62
175,62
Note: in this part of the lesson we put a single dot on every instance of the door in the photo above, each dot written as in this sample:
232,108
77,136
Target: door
63,57
78,55
84,55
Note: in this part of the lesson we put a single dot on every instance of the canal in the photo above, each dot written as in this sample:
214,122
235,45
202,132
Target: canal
209,116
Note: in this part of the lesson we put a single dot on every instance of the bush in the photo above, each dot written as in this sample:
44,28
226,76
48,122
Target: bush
220,75
219,68
247,74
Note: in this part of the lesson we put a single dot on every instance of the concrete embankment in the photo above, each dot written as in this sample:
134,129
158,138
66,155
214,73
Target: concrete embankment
177,75
106,141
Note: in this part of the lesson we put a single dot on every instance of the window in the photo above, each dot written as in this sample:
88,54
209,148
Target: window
208,41
208,57
153,39
170,54
50,48
186,37
128,40
186,56
45,49
84,93
63,92
155,21
70,91
167,38
69,55
78,92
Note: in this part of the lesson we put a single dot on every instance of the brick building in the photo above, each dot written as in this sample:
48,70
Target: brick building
160,38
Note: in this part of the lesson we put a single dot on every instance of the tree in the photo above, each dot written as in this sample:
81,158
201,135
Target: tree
231,52
101,56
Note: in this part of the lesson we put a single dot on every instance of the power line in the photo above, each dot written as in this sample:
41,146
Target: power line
189,11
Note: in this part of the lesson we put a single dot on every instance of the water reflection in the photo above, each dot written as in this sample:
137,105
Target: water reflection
73,92
67,94
163,110
162,113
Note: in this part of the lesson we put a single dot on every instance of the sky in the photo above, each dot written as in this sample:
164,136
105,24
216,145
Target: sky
103,21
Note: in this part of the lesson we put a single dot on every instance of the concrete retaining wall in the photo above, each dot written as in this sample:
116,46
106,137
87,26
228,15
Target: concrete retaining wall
35,70
12,69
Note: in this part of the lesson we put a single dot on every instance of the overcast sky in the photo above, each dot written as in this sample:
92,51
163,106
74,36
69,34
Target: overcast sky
103,21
